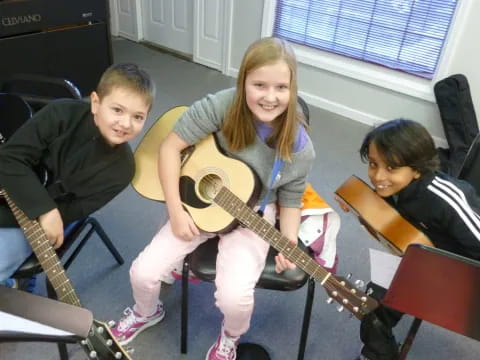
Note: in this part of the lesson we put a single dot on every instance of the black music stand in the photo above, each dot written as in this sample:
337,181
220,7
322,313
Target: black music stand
28,317
439,287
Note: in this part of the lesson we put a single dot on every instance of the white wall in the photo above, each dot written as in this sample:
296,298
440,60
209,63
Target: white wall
363,101
247,25
466,52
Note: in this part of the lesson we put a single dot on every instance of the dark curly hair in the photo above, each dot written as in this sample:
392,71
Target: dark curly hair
403,142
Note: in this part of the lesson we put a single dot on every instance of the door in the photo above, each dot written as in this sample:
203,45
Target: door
169,23
127,19
210,33
113,17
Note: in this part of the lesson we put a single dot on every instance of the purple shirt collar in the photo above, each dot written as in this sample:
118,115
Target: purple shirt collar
263,131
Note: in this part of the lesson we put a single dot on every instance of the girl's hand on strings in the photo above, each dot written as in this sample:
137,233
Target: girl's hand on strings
183,226
282,263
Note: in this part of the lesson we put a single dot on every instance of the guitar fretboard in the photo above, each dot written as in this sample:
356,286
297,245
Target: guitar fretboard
45,254
249,218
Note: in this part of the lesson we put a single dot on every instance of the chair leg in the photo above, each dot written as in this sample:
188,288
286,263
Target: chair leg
62,350
184,315
106,240
78,248
407,344
306,319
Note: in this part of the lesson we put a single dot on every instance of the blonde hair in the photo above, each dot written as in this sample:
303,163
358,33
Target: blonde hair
127,76
238,127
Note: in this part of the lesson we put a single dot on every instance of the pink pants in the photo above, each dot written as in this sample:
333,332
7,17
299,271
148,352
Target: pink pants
240,261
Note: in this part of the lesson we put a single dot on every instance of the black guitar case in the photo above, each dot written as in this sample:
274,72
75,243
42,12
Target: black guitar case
459,121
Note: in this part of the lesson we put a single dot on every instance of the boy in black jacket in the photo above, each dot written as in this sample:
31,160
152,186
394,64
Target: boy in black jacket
83,148
403,168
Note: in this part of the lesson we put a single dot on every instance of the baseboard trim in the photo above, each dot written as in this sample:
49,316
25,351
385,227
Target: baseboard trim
340,109
353,114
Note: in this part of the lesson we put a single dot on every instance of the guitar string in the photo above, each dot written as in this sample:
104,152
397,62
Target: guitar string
50,256
261,223
295,254
258,226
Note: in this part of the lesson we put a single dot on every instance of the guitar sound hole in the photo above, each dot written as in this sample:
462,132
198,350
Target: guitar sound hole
209,186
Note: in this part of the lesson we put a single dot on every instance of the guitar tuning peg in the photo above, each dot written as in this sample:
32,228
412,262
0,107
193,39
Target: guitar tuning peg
359,284
369,291
109,342
111,323
118,355
329,300
340,308
92,354
349,275
100,330
130,350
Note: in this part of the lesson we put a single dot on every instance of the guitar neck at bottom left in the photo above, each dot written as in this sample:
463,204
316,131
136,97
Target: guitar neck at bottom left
100,343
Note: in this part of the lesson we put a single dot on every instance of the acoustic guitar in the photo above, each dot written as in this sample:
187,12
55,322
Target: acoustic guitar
100,343
215,190
381,220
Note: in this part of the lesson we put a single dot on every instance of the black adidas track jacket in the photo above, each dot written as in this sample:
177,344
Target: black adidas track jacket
445,209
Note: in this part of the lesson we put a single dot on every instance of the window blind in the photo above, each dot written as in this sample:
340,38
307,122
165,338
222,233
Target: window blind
406,35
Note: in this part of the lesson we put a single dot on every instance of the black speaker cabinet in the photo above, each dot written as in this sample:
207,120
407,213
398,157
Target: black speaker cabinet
78,52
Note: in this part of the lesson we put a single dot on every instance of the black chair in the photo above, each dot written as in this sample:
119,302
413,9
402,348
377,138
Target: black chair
202,263
39,90
85,227
14,112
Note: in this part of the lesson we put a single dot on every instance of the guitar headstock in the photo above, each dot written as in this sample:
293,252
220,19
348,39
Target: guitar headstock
348,296
101,344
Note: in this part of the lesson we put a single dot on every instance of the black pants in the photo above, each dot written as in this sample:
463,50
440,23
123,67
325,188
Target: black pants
376,330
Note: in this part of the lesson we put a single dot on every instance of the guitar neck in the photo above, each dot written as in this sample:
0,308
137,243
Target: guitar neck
46,255
357,302
249,218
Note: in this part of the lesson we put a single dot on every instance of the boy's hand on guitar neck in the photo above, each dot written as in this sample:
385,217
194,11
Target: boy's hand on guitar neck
52,223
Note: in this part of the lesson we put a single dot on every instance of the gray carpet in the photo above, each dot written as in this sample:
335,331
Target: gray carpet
131,220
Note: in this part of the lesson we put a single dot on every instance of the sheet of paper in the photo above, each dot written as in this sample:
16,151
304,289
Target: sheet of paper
383,267
12,323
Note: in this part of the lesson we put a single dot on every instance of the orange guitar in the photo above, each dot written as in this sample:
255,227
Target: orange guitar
381,220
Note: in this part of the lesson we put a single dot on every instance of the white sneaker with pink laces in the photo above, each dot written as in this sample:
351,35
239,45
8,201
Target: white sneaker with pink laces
131,324
225,348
